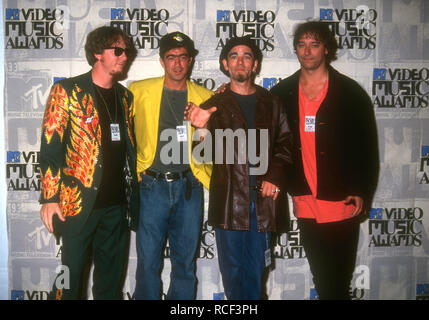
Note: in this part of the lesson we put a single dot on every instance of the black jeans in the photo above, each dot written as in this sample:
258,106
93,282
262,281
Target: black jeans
105,238
331,252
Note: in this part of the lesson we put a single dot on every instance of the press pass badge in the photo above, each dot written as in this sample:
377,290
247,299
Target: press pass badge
114,130
310,123
182,133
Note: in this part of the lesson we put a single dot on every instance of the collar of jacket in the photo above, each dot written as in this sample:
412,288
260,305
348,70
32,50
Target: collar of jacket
85,81
263,98
86,84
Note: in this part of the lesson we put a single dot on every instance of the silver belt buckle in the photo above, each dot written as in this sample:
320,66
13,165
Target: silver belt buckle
167,179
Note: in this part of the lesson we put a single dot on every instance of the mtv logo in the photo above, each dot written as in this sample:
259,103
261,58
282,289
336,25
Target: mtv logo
17,295
422,289
117,14
13,157
376,213
58,79
313,294
379,74
223,15
218,296
425,151
326,14
268,83
12,14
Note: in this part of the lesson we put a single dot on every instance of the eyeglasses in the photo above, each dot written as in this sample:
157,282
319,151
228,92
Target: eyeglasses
119,51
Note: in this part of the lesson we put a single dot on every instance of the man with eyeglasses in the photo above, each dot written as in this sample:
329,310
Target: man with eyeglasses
171,181
88,161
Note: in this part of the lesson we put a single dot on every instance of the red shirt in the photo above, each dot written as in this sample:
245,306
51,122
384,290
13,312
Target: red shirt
308,206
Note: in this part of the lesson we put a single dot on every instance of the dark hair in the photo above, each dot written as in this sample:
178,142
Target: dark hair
320,31
237,41
103,38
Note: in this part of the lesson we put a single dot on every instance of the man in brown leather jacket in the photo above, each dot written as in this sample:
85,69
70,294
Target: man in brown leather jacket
246,200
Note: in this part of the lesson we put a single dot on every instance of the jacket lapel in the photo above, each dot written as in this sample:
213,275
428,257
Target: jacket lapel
263,114
86,93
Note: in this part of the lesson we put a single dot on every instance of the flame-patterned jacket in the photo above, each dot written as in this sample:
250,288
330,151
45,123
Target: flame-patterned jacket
70,156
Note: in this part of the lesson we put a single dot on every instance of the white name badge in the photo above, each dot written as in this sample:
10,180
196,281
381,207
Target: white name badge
310,123
182,133
115,133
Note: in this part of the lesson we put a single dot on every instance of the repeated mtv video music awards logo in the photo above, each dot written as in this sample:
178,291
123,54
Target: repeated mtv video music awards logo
424,164
259,25
269,83
289,246
31,239
23,171
62,281
207,83
207,244
35,28
400,88
145,26
33,92
355,28
29,295
422,291
394,227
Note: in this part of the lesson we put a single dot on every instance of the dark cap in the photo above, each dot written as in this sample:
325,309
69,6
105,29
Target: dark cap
176,40
238,41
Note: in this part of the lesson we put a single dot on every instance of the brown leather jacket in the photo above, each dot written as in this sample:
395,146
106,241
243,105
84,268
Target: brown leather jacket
229,185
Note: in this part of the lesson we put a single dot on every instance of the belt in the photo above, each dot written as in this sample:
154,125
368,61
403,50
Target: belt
168,176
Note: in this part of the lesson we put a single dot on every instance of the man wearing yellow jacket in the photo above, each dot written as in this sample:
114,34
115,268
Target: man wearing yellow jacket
171,193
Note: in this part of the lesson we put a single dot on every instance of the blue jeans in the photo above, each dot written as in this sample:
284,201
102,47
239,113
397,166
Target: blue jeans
241,256
164,212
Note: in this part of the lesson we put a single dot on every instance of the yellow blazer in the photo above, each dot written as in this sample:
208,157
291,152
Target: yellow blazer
147,103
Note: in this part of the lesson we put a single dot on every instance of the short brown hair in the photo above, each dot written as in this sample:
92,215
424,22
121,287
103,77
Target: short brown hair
320,31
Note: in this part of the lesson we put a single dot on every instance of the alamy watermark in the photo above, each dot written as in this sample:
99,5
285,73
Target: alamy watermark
229,147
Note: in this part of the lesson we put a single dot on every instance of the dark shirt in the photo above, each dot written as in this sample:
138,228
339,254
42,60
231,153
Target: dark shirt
173,104
112,188
247,105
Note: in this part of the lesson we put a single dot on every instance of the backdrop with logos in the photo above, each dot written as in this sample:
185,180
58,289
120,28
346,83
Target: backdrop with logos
384,45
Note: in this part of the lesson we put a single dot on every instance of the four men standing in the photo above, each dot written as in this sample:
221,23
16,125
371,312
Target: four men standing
330,166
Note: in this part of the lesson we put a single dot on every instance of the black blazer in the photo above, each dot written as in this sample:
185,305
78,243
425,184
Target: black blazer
346,140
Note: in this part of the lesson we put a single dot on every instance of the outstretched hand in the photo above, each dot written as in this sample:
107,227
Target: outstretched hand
198,117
